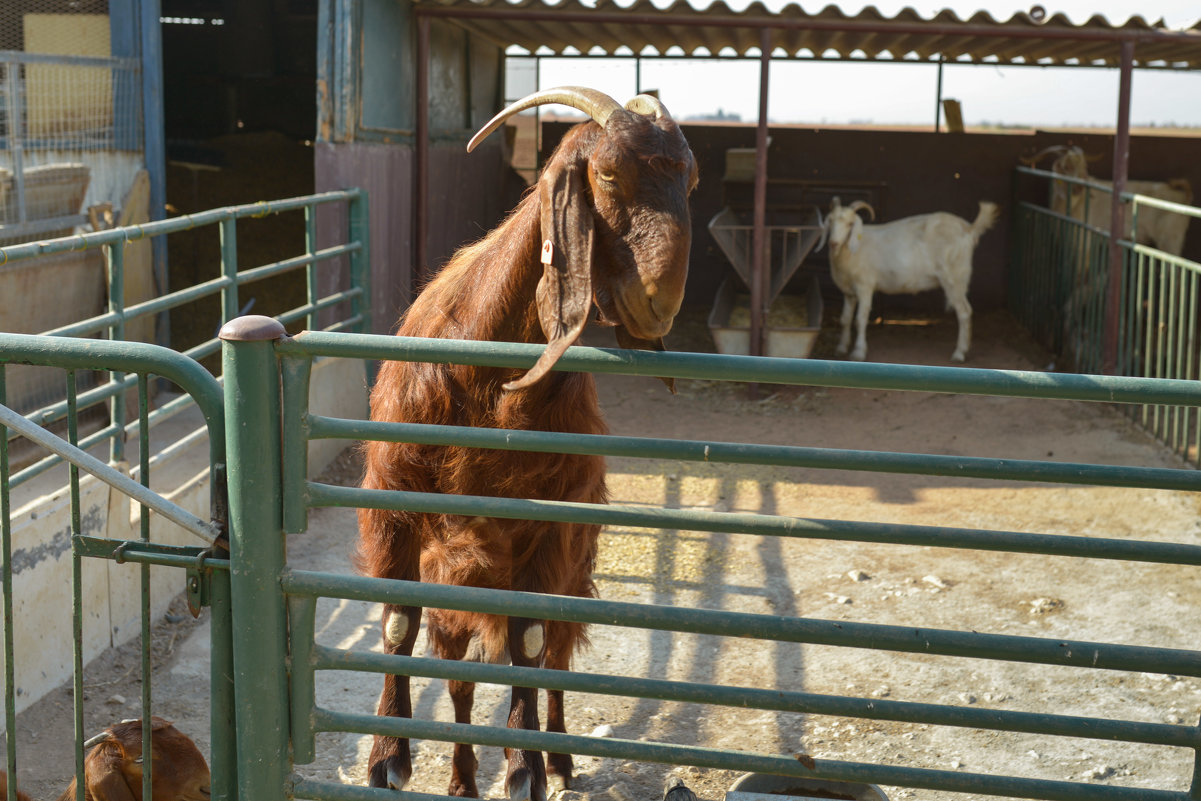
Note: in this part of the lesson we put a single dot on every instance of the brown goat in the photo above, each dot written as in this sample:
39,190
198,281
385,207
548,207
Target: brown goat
608,225
4,789
113,768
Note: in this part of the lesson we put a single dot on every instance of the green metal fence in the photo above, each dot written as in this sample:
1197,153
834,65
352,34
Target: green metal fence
134,367
268,463
1058,289
343,310
206,566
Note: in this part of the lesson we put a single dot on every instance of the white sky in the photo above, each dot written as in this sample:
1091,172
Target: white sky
842,93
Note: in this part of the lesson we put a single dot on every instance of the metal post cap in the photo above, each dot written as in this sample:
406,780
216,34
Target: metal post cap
252,328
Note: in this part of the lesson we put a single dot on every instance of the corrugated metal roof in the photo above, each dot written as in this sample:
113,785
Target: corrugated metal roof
571,27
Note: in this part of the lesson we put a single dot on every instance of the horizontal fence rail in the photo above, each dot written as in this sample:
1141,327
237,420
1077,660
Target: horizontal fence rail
341,310
1059,279
300,590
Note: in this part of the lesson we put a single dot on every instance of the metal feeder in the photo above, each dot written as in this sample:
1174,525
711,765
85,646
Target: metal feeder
791,236
766,787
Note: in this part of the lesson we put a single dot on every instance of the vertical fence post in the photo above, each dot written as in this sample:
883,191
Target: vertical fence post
6,587
360,260
229,268
310,270
116,303
252,419
12,79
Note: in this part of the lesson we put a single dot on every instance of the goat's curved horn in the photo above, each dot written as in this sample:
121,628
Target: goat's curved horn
648,105
863,204
103,736
1031,161
595,104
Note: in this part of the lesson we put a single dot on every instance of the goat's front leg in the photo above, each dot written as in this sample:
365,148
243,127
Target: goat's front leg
559,645
390,764
848,312
526,777
863,311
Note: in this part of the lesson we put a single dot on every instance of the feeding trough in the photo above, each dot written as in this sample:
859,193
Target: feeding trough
792,322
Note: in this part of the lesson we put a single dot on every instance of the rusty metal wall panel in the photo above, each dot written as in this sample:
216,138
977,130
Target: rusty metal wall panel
386,172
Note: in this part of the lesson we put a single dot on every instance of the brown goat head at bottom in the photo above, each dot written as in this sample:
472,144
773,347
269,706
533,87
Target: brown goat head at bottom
607,228
615,226
113,767
4,789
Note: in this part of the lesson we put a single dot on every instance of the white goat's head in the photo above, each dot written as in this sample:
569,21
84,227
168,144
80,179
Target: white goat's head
1070,161
614,207
844,225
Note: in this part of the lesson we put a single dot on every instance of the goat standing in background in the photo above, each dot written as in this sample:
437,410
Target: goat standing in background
607,225
1158,228
912,254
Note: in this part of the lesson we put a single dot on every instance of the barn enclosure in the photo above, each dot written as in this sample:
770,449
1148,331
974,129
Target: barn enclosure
902,578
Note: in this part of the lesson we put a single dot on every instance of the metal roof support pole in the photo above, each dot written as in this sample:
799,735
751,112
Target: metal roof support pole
759,233
421,173
1117,220
938,99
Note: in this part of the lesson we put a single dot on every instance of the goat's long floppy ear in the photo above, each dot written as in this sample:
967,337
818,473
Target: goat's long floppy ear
106,778
855,235
564,294
630,342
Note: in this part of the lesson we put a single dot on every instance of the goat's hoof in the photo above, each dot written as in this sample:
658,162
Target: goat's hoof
958,357
390,773
556,783
520,785
523,787
857,356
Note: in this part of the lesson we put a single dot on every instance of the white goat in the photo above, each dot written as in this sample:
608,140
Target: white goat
907,255
1162,229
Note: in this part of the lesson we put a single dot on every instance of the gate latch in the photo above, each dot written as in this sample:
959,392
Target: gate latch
198,583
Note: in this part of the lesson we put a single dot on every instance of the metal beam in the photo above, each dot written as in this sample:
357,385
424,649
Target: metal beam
421,165
759,262
1117,218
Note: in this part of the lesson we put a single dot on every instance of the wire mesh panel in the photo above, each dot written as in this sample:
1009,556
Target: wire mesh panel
70,115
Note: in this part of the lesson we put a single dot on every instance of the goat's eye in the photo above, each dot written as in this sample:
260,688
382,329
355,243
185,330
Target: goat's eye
606,175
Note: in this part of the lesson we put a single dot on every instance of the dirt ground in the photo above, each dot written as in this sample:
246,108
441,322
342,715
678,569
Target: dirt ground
903,585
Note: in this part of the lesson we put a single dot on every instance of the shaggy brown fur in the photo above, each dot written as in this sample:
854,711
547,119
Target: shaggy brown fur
497,290
113,768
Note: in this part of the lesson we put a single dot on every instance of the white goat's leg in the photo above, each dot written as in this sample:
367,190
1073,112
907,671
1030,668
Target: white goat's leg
963,310
861,315
848,311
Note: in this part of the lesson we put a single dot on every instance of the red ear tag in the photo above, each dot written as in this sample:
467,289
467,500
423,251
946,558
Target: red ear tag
548,252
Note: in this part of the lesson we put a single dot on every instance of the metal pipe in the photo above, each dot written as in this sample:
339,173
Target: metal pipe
421,167
759,236
938,99
1117,219
12,74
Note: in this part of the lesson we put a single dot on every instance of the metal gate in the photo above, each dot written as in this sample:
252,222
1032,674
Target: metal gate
206,566
274,603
